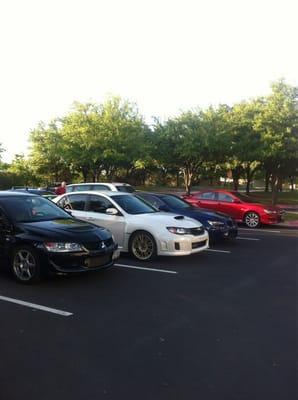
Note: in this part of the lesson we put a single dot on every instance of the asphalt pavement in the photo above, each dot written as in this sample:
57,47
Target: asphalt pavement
217,325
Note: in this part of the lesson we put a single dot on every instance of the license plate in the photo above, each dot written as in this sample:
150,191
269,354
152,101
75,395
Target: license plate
94,262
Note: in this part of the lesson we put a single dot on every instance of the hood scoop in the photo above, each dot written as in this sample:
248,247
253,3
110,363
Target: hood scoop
179,217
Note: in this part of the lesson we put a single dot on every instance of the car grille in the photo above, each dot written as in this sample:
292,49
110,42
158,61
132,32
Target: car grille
98,244
199,244
197,231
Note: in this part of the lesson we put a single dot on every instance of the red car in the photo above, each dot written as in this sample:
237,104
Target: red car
239,206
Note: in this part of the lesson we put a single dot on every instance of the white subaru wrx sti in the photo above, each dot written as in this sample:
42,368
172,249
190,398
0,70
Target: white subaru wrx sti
137,227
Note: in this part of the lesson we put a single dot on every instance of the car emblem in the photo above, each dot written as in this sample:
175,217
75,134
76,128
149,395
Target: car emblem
103,245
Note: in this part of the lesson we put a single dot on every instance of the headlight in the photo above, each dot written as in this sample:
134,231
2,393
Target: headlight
270,211
216,224
60,247
178,231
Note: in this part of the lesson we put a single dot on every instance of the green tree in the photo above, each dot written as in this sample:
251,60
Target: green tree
125,134
183,144
278,126
47,158
83,142
245,141
22,169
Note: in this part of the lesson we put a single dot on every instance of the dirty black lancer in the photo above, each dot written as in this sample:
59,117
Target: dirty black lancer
37,236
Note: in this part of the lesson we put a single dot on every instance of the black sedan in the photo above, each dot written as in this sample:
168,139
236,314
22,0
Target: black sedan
218,225
37,236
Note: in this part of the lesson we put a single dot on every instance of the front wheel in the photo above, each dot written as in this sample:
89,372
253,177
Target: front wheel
143,246
25,264
252,219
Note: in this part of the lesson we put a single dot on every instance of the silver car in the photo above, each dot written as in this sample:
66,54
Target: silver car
137,227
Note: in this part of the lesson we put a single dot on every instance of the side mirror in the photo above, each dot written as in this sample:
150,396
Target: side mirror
236,201
112,211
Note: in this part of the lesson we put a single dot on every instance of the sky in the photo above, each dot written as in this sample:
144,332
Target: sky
164,55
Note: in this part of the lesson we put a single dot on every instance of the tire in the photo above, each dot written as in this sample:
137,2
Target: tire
252,219
25,264
143,246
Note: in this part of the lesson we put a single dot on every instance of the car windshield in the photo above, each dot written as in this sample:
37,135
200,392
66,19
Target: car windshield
175,202
32,209
245,198
125,188
133,205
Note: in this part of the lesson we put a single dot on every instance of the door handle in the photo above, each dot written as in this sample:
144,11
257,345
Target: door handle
91,219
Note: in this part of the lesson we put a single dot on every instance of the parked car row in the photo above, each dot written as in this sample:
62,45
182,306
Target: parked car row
83,230
239,206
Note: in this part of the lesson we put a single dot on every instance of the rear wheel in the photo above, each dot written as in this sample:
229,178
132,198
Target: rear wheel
25,264
143,246
252,219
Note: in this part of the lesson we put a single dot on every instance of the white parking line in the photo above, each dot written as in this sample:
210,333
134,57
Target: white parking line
146,269
36,306
242,238
258,230
219,251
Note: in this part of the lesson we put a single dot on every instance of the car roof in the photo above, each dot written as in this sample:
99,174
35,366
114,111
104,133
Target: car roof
157,194
16,193
214,190
99,183
99,192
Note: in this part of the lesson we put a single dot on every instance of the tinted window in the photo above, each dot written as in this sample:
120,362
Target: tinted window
125,188
225,197
81,188
77,202
98,204
32,209
99,187
245,198
133,205
153,200
175,202
207,196
3,220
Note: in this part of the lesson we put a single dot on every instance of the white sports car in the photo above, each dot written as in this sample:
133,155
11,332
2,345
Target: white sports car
137,227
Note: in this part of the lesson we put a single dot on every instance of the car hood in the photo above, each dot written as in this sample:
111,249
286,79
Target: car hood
205,215
165,219
266,206
65,230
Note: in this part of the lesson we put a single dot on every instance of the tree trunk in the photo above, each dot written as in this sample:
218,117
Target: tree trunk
292,183
275,182
236,176
187,179
267,181
248,178
177,179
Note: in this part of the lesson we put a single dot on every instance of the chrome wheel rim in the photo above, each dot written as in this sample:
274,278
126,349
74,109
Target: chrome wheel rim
252,220
142,246
24,265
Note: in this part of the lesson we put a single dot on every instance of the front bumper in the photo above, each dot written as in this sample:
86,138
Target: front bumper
83,261
268,219
183,245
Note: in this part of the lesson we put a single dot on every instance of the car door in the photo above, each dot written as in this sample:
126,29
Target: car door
226,204
207,200
96,208
6,231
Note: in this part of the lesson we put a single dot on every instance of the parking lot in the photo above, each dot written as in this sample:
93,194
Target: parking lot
216,325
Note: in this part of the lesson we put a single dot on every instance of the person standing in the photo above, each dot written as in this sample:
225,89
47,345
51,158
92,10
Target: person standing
61,189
